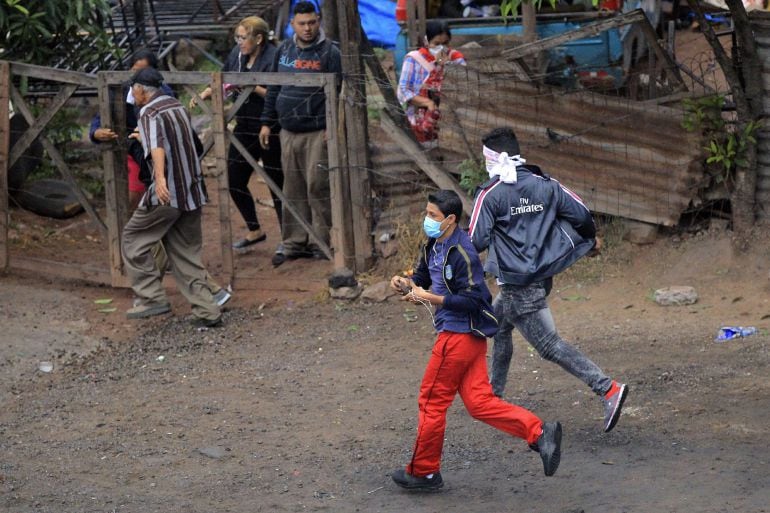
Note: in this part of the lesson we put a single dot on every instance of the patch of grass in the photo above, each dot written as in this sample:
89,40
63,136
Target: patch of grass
410,237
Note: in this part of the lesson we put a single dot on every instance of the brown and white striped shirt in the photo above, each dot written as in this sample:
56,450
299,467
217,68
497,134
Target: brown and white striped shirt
165,123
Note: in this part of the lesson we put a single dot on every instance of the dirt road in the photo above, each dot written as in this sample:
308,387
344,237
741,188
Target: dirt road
308,405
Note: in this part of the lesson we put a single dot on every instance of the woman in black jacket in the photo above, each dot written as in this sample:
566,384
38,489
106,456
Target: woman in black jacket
254,52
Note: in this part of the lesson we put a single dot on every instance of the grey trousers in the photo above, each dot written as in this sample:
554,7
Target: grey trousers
180,233
525,308
306,187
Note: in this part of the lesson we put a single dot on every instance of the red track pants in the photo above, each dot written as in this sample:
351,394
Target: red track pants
458,364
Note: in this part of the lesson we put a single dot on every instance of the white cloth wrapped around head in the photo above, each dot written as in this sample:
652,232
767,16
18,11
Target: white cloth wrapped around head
502,164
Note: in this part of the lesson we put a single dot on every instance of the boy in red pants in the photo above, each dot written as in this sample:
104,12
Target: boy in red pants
451,269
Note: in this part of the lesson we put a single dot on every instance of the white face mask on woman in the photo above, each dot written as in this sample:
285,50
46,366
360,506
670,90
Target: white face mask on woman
435,50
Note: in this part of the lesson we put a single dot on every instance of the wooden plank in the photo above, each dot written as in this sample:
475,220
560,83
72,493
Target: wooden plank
219,131
590,29
356,124
208,142
230,77
253,79
61,270
422,16
120,155
652,40
5,130
40,123
383,83
53,74
337,190
412,148
21,106
341,232
111,192
411,23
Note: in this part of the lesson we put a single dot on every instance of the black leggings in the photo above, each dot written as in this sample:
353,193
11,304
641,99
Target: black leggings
239,172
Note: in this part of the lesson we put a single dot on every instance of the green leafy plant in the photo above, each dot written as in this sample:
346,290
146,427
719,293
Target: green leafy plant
472,174
726,147
45,31
511,7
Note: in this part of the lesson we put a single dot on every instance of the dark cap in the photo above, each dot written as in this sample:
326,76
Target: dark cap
147,77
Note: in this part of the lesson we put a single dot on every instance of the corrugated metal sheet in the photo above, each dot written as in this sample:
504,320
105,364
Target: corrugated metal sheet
760,22
398,184
624,158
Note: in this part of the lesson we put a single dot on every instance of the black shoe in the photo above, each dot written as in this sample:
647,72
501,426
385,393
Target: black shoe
549,447
245,243
410,482
200,322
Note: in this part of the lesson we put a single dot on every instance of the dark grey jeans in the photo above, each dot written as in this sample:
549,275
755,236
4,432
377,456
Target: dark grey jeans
525,308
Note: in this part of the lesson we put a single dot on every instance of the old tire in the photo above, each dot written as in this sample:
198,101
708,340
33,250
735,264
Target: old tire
29,160
49,198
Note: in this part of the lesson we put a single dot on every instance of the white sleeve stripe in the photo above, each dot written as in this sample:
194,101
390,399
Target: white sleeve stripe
574,196
477,207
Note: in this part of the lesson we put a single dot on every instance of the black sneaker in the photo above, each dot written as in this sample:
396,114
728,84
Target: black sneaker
278,259
549,447
201,323
319,255
423,484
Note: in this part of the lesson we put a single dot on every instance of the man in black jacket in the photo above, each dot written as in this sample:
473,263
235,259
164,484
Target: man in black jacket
301,112
534,228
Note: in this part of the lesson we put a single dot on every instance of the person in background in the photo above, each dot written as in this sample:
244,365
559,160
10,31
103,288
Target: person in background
534,228
254,52
301,113
170,210
142,59
450,277
422,75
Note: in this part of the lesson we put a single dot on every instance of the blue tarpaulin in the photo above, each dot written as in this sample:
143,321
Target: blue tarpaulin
378,18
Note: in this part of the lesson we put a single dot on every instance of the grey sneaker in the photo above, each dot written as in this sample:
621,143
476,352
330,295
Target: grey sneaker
549,447
144,310
613,403
423,484
222,296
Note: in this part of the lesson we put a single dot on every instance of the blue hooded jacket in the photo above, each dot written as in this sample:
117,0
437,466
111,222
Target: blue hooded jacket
534,228
301,109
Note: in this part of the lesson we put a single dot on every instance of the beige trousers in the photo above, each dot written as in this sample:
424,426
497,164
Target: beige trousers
306,187
180,233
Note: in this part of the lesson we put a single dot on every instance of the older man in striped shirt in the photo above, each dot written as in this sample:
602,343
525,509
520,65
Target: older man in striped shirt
170,210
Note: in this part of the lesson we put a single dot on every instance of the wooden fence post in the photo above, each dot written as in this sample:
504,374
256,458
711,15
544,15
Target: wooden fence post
338,186
218,129
5,128
356,125
111,192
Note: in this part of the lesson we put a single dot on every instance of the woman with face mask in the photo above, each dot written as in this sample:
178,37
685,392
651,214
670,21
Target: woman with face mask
253,52
422,74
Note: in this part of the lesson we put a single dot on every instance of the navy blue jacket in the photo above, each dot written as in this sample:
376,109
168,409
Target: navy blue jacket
132,114
464,278
301,109
534,228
